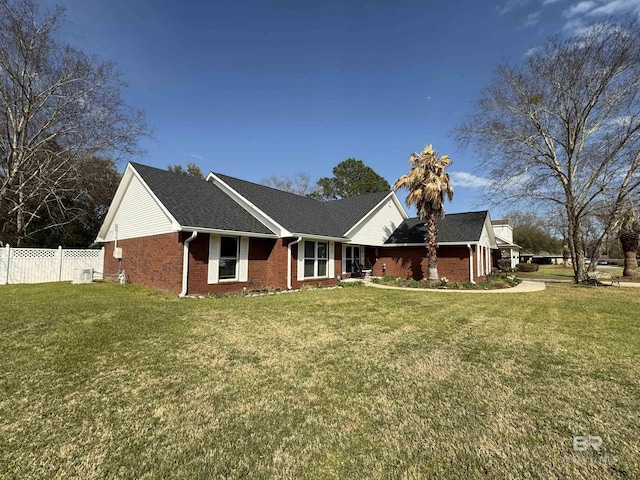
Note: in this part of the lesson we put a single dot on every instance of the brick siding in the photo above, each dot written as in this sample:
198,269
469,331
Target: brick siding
155,261
411,262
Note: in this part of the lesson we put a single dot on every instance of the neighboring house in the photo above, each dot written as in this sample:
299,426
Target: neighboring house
543,258
179,233
503,232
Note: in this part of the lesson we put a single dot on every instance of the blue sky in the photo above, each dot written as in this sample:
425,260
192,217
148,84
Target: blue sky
260,88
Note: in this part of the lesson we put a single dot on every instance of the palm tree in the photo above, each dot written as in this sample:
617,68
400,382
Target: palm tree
629,236
428,185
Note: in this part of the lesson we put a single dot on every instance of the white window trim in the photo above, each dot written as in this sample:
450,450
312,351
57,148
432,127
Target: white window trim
242,265
330,260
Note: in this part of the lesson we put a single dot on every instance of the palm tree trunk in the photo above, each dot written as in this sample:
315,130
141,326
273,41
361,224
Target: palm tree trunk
629,241
432,248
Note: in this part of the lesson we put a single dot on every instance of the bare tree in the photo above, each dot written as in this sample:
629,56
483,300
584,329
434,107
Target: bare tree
299,183
563,129
59,109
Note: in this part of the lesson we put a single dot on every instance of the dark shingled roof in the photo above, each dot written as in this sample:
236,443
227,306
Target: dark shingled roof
453,228
300,214
197,203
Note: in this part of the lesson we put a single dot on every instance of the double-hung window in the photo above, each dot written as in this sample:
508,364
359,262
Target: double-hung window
228,259
316,259
228,264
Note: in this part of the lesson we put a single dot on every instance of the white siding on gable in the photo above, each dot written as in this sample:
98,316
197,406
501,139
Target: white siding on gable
138,215
484,249
379,226
504,231
485,240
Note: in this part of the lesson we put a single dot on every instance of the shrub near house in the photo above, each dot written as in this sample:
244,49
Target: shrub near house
527,267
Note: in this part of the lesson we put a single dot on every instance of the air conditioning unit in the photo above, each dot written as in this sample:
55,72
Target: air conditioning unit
82,275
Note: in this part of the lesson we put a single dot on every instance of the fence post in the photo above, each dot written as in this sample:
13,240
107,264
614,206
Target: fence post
102,263
59,263
5,277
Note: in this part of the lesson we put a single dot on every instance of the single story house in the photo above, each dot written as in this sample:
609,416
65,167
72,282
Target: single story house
219,235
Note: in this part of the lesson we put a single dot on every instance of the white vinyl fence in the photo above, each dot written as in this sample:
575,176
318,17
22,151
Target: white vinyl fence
38,265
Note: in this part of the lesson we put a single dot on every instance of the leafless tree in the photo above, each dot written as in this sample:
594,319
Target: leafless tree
59,108
299,183
564,129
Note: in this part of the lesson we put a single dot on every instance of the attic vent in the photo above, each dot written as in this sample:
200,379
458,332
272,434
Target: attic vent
83,275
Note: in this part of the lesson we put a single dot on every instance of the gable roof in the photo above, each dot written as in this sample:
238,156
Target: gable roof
197,203
304,215
453,228
349,211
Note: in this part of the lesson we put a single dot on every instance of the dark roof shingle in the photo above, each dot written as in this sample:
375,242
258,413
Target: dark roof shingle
300,214
197,203
453,228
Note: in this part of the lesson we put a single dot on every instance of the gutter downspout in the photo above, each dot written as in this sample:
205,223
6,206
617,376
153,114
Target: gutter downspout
289,286
470,263
185,263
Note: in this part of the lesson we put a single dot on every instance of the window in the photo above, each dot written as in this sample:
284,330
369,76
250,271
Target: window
228,265
316,258
228,259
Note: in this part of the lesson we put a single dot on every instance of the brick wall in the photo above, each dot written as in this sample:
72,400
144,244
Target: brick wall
411,262
260,252
155,261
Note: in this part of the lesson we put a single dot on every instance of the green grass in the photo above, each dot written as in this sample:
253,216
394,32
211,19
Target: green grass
105,381
558,272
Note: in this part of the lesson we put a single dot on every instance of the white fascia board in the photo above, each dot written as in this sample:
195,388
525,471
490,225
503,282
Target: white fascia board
127,176
269,222
499,239
375,209
489,226
234,233
115,203
398,203
502,243
307,236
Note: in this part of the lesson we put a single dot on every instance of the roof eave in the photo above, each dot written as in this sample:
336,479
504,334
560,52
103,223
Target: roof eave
328,238
235,233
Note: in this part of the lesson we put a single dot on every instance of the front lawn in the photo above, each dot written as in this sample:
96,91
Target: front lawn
559,272
110,381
